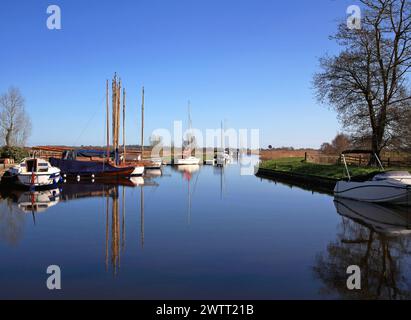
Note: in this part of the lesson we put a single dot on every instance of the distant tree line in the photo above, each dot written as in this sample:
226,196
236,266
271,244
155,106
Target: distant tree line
340,143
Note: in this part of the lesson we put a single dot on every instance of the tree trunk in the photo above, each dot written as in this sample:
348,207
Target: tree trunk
375,148
8,138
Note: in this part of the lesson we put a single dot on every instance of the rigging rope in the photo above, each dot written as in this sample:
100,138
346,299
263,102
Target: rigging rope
89,121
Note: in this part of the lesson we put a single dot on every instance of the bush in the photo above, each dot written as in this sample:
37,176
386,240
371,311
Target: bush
15,153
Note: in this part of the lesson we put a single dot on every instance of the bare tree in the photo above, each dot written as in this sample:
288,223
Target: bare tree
340,143
367,82
15,124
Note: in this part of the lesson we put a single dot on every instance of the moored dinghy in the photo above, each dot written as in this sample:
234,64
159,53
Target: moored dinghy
386,187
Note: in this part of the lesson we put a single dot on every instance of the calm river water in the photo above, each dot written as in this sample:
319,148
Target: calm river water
206,234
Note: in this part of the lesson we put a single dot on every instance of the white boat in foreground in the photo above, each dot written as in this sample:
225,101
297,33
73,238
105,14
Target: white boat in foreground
34,172
386,187
193,161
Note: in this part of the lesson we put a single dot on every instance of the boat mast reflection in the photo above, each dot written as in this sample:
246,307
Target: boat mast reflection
188,172
142,216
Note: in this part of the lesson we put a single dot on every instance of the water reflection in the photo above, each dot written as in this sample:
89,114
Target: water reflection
375,238
116,235
390,221
229,250
16,202
188,172
34,202
11,224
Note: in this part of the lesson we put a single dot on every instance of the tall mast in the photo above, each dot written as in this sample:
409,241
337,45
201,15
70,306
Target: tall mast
190,127
114,108
142,125
118,121
189,116
108,123
124,124
222,137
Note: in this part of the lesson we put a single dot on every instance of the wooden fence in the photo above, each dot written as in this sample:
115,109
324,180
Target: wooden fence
361,160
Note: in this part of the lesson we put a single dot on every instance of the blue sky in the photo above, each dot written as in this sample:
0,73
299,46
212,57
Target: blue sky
250,62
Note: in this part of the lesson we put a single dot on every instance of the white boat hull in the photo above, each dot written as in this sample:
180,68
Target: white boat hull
155,164
138,171
41,174
385,191
39,180
187,162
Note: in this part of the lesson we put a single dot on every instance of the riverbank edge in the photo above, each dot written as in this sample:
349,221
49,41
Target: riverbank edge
316,183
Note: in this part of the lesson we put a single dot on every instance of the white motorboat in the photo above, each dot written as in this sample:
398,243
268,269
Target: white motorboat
34,172
223,158
386,187
138,171
154,163
189,161
210,162
390,220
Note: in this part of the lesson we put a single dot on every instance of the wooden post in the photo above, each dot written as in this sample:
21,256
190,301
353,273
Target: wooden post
124,125
305,157
142,125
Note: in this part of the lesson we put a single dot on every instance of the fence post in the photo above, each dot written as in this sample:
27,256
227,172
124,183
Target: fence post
305,157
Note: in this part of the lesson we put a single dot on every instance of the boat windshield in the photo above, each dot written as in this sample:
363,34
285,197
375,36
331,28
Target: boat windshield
31,165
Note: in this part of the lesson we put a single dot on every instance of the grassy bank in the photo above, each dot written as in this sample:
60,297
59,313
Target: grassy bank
298,166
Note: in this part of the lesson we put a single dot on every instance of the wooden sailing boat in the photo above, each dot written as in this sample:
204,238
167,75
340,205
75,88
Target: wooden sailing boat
77,162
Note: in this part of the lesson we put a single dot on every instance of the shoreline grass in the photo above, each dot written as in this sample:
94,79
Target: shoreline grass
299,166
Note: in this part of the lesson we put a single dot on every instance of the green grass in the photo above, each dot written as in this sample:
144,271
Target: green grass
297,165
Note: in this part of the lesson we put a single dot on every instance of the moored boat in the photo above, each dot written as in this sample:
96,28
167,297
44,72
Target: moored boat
33,172
193,161
153,163
95,169
385,187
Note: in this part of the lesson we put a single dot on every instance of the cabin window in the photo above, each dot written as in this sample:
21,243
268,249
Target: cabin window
43,167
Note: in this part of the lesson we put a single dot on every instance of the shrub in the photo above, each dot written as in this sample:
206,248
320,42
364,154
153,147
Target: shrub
15,153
